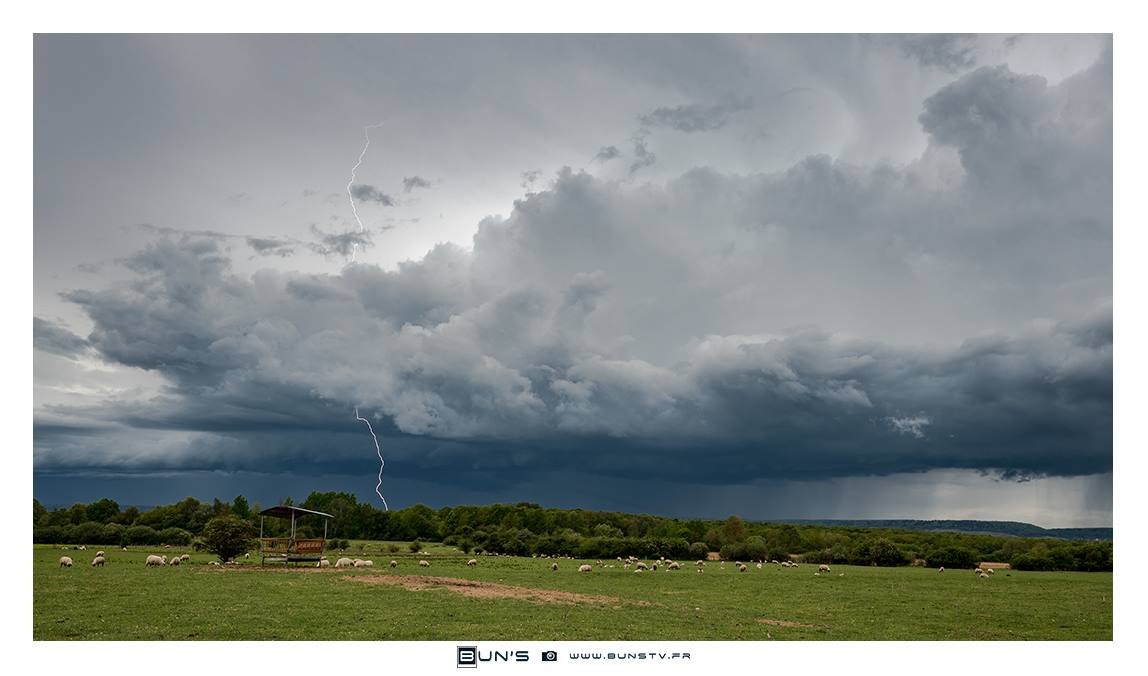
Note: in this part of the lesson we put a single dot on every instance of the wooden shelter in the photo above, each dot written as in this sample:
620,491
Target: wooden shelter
291,549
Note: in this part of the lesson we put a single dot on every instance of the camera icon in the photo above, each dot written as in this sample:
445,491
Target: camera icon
549,656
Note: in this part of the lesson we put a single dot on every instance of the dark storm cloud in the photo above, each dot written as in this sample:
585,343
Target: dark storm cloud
369,193
695,117
412,182
828,320
945,51
55,339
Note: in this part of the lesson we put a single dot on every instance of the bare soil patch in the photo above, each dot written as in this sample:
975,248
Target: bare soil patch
788,623
485,590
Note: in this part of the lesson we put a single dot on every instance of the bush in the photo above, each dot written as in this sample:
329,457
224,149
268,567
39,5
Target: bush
392,548
951,557
228,536
699,550
139,535
415,547
174,536
89,533
879,552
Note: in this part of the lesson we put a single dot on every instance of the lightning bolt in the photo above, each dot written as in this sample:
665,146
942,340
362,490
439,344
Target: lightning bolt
354,249
380,453
350,197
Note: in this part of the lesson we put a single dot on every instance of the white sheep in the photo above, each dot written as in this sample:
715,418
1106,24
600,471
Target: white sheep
585,568
990,571
673,565
344,563
394,564
701,563
364,563
153,560
175,562
823,568
424,563
213,563
554,566
323,563
100,553
98,562
638,570
654,566
472,562
83,548
741,567
941,569
65,562
759,565
641,565
185,557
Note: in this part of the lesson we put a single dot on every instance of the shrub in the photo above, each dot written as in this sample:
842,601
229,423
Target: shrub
415,547
174,536
228,536
139,535
699,550
951,557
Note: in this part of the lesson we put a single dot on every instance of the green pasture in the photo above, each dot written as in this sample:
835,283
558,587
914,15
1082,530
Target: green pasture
127,601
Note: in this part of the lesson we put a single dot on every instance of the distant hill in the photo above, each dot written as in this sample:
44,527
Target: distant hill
1013,528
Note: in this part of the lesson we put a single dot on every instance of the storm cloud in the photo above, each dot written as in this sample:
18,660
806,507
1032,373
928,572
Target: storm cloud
369,193
824,321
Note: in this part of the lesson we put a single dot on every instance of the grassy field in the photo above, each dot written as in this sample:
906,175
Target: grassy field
126,600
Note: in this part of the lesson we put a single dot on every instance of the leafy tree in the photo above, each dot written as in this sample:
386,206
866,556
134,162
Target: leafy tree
103,511
240,508
139,535
39,512
228,536
699,550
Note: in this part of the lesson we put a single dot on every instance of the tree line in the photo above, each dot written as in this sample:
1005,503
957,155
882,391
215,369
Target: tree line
525,529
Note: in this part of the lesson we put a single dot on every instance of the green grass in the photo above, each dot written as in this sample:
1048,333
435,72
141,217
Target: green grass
126,600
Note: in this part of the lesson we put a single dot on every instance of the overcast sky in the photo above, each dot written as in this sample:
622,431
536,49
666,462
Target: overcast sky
777,276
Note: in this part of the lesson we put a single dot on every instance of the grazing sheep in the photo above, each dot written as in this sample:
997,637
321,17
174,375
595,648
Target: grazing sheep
638,570
759,565
641,565
175,562
98,562
472,562
215,563
65,562
100,553
585,568
941,569
153,560
554,566
247,555
344,563
984,576
823,568
424,563
817,574
185,557
774,562
673,565
323,563
364,563
655,566
125,549
394,564
701,563
989,571
83,548
741,568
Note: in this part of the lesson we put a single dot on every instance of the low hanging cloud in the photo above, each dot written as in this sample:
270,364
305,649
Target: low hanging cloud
369,193
947,51
270,246
607,153
828,320
341,243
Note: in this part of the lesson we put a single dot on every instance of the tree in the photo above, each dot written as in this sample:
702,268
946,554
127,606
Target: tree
951,557
415,547
699,550
227,537
240,508
103,511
